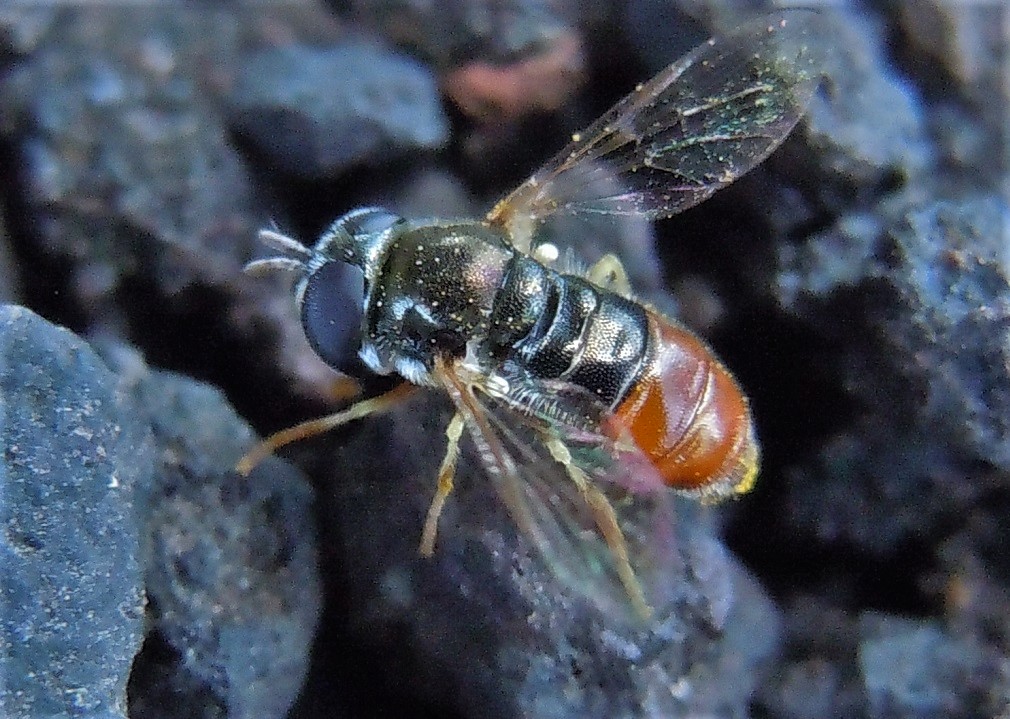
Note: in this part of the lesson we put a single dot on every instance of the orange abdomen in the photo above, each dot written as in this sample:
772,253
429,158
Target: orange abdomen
689,417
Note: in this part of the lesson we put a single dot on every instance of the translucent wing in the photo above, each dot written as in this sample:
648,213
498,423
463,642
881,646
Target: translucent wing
697,126
608,534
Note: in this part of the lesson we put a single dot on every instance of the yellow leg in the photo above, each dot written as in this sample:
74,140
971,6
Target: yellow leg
344,389
606,522
561,455
445,476
609,274
313,427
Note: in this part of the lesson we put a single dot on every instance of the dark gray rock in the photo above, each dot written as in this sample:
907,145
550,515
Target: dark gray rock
809,690
231,569
118,490
817,674
162,193
865,130
315,112
915,670
129,183
483,627
449,33
662,31
77,465
882,666
10,282
22,26
954,54
923,305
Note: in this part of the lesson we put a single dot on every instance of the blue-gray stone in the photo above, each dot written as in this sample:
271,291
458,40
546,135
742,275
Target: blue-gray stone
116,480
924,302
231,565
492,630
74,466
915,670
162,193
317,111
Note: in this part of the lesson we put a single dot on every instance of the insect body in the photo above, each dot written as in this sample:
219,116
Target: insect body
585,406
460,293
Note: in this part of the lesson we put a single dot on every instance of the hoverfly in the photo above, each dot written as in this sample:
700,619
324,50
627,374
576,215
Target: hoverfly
587,408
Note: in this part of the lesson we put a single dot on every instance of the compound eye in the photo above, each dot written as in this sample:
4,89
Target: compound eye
369,221
331,313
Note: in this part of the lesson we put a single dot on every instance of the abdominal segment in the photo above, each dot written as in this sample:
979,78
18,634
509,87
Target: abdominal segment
689,417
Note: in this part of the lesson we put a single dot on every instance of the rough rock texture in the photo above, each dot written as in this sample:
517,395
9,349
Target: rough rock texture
135,198
73,482
856,282
125,526
930,295
316,112
915,669
231,570
483,619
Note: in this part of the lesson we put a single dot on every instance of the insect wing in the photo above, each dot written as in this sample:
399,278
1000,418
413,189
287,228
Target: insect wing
610,540
697,126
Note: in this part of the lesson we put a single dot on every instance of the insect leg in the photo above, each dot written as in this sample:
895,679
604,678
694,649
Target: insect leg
319,425
344,389
498,462
606,522
608,273
445,476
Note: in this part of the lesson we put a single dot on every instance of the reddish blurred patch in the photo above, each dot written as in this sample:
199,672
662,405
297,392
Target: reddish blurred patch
542,82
